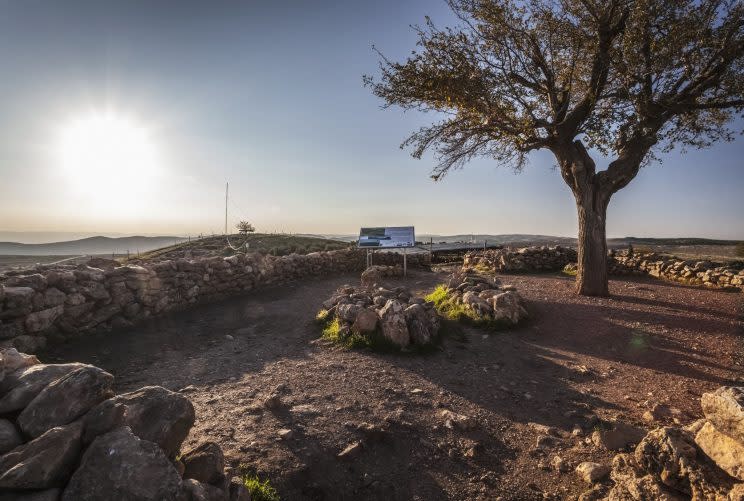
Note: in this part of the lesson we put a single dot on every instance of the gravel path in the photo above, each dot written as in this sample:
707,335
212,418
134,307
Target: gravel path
576,359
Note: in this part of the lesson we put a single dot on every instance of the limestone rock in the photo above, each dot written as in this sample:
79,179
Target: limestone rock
23,385
9,436
724,408
118,465
193,490
422,324
11,360
44,462
152,413
668,454
393,322
42,320
365,322
592,472
726,452
205,463
348,312
632,484
620,436
66,399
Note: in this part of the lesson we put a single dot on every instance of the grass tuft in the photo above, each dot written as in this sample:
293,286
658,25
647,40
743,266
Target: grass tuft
260,491
451,309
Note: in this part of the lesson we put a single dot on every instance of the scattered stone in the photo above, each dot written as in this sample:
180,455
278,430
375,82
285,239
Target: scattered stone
193,490
592,472
285,433
118,465
560,465
351,451
454,420
205,463
618,437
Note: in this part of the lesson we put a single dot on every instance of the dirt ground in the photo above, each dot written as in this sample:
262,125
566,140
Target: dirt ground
576,360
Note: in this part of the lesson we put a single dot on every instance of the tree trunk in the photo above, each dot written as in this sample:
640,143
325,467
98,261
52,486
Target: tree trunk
591,279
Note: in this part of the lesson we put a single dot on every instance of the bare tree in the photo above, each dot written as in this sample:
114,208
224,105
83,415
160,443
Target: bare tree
625,78
244,227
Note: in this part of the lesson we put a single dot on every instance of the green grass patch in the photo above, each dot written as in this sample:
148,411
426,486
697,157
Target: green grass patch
331,331
450,308
260,491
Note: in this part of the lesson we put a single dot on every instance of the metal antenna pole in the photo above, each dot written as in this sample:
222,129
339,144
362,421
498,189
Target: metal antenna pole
227,185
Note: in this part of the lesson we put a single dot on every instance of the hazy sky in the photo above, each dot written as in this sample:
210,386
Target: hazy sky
268,96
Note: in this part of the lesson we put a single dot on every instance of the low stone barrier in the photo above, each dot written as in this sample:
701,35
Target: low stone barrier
686,271
65,436
52,302
527,259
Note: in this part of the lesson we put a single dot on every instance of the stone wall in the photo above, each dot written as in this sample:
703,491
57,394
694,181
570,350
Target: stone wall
689,272
50,302
527,259
536,259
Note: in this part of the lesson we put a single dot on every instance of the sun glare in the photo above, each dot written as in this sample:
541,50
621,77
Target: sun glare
107,156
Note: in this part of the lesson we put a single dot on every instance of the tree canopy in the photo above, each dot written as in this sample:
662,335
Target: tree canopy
622,76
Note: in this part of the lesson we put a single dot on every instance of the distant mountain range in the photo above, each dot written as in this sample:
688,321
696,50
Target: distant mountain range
120,245
91,245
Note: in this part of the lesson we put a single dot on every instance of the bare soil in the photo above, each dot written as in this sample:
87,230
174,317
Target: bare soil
576,360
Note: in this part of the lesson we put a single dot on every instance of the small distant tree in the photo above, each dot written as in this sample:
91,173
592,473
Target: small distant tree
622,77
244,227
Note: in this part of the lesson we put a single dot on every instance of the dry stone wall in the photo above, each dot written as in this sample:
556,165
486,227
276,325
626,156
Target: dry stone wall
51,302
527,259
537,259
689,272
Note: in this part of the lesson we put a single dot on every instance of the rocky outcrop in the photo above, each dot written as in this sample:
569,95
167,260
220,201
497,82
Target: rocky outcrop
64,436
55,301
699,462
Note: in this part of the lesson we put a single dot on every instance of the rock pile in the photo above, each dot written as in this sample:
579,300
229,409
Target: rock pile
376,274
704,461
396,314
486,299
686,271
65,436
527,259
50,302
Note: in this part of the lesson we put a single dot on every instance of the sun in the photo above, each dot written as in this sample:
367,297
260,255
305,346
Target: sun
107,154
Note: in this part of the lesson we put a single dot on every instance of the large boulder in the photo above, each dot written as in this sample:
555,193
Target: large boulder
633,484
365,322
22,386
507,307
66,399
118,465
668,454
726,452
153,413
44,462
205,463
9,436
393,323
724,408
45,495
422,324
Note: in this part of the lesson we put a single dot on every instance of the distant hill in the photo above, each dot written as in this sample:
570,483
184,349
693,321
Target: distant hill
91,245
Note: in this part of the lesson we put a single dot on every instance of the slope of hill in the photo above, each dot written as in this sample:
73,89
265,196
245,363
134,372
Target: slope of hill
92,245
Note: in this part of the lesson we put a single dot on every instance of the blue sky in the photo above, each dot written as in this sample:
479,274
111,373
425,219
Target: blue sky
269,97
